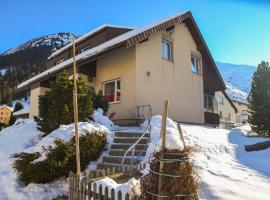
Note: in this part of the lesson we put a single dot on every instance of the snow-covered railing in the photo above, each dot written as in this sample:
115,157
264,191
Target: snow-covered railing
140,115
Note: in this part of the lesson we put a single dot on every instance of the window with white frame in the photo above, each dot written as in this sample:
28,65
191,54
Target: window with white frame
220,100
195,64
112,91
166,50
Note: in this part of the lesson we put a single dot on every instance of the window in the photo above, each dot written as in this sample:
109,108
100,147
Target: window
220,100
244,112
166,50
210,103
83,50
60,61
112,91
195,64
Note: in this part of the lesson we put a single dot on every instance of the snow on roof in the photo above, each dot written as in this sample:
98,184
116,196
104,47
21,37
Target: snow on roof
5,106
85,36
98,49
23,111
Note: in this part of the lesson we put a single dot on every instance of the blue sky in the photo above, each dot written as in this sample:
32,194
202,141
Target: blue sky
236,31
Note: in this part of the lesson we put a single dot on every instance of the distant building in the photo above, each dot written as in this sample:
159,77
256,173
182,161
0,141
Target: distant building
226,109
23,113
5,114
242,115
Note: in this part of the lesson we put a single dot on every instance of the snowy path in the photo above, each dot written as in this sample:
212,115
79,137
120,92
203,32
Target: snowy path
226,170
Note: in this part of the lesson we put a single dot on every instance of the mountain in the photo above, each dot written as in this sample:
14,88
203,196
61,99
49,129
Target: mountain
237,79
54,41
235,94
26,60
239,76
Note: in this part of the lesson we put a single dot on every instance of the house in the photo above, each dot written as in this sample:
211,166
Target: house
242,115
165,60
226,109
5,114
23,113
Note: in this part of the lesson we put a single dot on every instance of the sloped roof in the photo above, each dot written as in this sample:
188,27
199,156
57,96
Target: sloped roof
5,106
131,38
85,36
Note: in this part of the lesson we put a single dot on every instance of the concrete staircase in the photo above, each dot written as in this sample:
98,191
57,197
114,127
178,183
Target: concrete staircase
122,141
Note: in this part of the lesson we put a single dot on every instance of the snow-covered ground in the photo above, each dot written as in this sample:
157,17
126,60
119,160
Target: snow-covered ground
22,136
226,170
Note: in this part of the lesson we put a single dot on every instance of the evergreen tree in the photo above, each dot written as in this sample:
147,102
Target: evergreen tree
56,106
18,106
259,100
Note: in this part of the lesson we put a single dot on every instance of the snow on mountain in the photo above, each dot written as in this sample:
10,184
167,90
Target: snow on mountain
238,75
236,94
55,41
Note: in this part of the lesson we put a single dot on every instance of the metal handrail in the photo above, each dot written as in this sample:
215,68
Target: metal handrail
148,127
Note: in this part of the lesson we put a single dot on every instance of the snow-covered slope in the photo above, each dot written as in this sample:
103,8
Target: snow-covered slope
236,94
238,75
55,41
227,172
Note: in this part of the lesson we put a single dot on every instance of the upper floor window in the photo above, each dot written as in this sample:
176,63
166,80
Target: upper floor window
112,91
60,61
244,112
220,100
195,64
166,50
83,50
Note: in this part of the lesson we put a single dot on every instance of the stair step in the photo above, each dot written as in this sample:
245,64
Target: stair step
122,153
130,140
105,165
126,146
130,134
118,160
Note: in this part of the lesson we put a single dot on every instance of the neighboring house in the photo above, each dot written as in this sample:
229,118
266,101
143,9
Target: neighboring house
226,109
166,60
23,113
242,115
5,114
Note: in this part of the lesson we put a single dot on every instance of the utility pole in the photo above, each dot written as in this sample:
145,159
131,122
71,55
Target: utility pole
75,107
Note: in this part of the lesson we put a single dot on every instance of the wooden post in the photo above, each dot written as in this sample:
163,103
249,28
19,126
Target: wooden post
181,134
75,107
163,145
163,125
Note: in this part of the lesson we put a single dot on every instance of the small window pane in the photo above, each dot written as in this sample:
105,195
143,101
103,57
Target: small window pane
166,50
109,91
112,91
195,64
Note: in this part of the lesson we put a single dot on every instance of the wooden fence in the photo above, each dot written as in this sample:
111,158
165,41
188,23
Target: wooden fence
86,188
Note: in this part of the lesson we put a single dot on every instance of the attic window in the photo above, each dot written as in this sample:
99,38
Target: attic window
170,28
60,61
83,50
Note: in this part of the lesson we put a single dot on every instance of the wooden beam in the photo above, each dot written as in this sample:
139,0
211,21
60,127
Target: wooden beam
75,107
